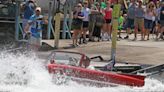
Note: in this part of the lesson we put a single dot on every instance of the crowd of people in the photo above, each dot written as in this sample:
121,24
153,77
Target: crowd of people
96,18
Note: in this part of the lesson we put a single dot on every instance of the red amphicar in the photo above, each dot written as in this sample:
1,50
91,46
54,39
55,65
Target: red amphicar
78,66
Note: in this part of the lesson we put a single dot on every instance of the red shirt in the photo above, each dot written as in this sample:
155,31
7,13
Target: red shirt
108,14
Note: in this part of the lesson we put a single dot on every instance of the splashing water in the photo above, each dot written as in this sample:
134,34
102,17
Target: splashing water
26,73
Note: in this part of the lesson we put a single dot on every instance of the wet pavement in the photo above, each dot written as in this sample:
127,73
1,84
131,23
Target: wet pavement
146,52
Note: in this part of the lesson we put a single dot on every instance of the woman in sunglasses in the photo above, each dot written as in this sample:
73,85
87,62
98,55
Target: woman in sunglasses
78,17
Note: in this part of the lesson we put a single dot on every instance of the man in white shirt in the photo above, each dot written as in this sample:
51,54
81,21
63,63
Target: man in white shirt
86,12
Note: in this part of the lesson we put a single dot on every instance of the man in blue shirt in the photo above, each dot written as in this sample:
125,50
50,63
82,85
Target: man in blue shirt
130,17
35,32
28,10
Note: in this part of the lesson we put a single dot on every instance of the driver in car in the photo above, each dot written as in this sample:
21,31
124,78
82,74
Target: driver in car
72,61
86,62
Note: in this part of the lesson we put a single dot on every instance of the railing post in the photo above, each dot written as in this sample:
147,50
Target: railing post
49,21
17,20
64,22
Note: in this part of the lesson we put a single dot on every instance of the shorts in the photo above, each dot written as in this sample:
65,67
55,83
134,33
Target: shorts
77,27
139,23
108,21
85,24
130,23
148,24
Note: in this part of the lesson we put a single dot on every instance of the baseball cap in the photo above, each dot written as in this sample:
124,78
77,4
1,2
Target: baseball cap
38,9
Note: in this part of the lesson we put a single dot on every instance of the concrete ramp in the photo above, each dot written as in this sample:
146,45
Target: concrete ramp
152,70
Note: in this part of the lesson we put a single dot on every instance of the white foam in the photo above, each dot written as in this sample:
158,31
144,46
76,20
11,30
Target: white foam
40,81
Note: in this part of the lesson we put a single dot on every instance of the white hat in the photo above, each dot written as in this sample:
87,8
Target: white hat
38,9
140,1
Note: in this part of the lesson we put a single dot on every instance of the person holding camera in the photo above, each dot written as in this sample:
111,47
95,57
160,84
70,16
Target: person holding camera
149,18
130,17
35,33
85,26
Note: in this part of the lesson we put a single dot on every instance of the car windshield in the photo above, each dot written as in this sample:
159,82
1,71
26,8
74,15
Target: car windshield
66,58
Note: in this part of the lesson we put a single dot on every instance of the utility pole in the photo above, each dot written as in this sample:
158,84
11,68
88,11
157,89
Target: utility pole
57,22
115,16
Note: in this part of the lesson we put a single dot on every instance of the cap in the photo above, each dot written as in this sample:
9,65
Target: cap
140,1
38,9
